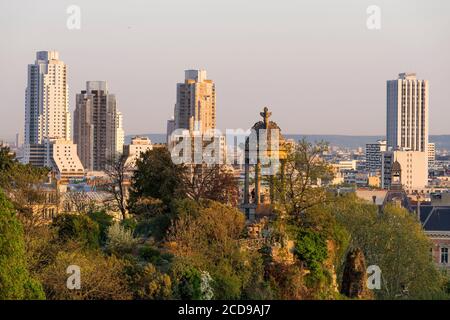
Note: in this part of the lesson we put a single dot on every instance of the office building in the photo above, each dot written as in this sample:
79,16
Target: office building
373,155
407,113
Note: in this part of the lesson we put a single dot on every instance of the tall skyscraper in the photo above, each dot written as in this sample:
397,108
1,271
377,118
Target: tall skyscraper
47,139
195,108
97,126
407,113
47,99
407,132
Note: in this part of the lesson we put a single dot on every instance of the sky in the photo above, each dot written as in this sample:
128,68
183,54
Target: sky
314,63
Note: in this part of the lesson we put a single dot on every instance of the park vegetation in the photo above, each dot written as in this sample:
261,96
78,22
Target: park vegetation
181,235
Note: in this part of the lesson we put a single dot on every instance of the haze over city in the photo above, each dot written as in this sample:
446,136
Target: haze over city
315,63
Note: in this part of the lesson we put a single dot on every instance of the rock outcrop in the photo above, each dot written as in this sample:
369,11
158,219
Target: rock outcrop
354,279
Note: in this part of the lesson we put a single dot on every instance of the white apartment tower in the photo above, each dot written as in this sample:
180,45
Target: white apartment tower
97,126
47,138
47,99
195,108
407,113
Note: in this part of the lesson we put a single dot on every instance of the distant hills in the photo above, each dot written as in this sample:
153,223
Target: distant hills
343,141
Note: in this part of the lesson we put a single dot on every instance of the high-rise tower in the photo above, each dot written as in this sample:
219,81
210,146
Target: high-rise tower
47,138
97,126
407,113
46,99
195,108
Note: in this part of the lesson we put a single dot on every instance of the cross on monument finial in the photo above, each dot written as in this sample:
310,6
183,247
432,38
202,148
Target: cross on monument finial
266,114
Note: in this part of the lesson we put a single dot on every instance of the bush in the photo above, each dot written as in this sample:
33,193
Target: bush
120,240
104,221
79,228
311,248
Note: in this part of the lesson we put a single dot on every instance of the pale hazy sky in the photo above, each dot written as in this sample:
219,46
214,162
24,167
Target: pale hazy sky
314,63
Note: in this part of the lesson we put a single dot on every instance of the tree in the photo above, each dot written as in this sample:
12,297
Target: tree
207,236
156,176
299,184
78,228
214,182
117,170
78,201
24,185
104,221
15,281
102,277
393,240
148,283
6,158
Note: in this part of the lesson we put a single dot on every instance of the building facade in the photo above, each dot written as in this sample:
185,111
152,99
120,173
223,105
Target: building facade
195,108
169,129
413,164
407,113
431,154
47,99
98,129
47,138
373,155
135,149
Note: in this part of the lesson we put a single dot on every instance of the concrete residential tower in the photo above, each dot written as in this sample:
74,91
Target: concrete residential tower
47,138
47,99
195,108
97,126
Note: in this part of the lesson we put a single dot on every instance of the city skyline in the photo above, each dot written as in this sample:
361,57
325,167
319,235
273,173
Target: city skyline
312,51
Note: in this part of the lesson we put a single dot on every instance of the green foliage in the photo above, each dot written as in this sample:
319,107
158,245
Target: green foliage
296,185
104,221
120,240
15,281
79,228
156,176
311,248
149,283
129,224
393,240
208,235
150,254
6,159
189,284
102,277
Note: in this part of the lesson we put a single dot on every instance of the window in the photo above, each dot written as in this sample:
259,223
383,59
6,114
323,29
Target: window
444,255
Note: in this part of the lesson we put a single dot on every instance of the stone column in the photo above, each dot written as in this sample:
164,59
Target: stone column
257,182
246,181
